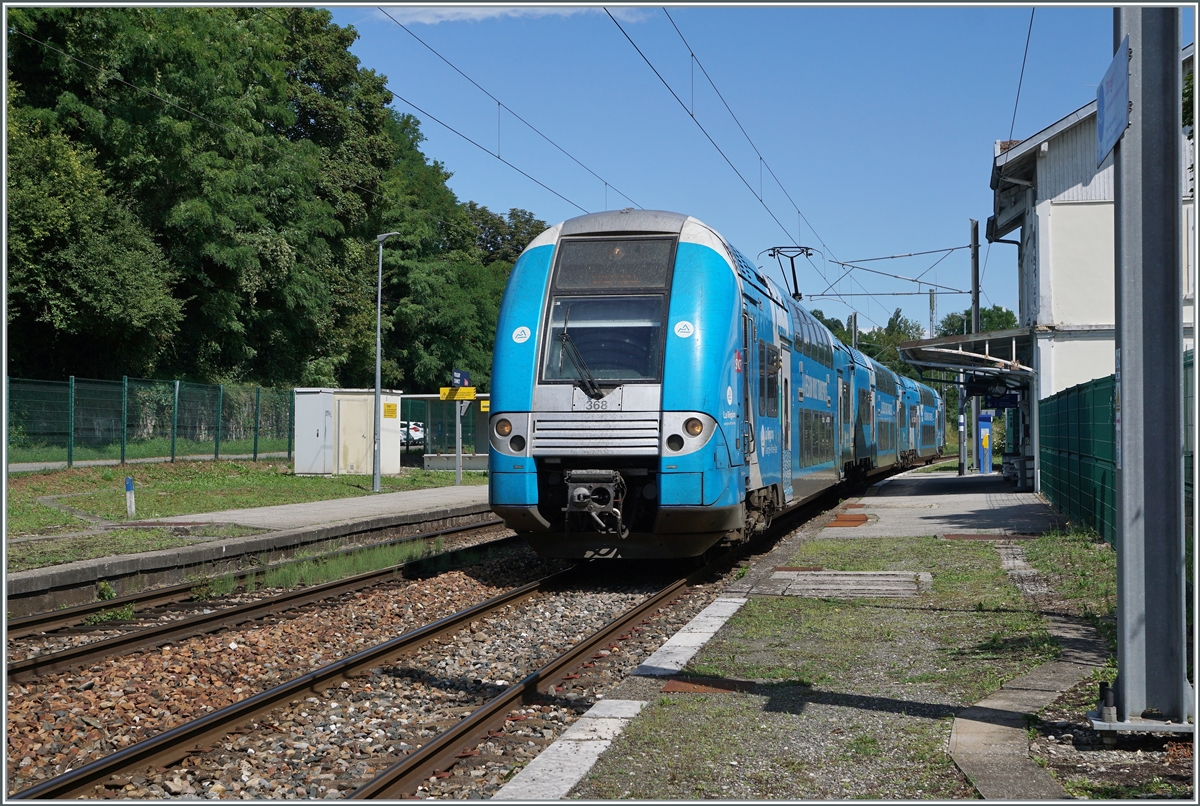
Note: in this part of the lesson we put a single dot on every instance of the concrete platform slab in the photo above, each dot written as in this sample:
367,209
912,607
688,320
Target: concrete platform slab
316,513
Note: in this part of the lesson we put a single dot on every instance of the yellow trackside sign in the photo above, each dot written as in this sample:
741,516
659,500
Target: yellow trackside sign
389,411
458,393
485,405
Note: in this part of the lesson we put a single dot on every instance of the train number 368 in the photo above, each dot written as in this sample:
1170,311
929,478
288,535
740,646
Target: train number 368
597,405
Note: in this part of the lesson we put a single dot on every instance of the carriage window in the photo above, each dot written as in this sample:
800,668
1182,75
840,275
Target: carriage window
772,381
619,338
642,263
762,378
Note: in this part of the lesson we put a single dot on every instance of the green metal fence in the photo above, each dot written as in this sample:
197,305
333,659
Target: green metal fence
437,418
1078,452
134,418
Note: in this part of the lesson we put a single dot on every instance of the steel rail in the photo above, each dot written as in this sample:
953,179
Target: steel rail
30,668
443,751
45,622
172,745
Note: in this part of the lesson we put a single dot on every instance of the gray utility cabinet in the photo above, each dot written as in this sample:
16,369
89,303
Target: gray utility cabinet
335,432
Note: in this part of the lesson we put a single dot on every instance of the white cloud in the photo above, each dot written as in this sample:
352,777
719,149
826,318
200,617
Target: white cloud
432,15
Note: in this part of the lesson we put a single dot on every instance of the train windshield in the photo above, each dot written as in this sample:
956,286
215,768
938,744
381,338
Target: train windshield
618,338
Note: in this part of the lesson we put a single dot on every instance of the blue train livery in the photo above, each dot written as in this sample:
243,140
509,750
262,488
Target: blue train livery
653,394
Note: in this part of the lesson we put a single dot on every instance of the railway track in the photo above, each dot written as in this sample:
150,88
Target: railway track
41,623
433,755
375,718
212,621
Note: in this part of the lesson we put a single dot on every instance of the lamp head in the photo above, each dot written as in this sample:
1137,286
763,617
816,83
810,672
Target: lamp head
385,236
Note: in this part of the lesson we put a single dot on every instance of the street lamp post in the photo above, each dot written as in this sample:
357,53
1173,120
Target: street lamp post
378,353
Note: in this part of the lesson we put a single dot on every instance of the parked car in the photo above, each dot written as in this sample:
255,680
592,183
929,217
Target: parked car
413,433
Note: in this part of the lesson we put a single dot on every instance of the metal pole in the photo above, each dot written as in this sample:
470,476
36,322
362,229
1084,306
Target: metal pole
962,426
175,421
378,343
975,446
124,415
220,401
458,411
378,364
257,416
291,422
71,421
1151,623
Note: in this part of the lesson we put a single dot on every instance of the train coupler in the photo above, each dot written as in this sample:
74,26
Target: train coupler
598,494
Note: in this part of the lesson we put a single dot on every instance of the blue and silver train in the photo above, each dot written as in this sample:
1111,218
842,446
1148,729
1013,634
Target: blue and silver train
653,394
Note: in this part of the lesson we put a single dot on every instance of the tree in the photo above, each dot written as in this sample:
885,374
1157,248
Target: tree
881,343
500,238
996,317
89,292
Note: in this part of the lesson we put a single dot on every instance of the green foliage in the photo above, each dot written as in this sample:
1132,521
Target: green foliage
1187,102
996,317
116,614
502,238
881,343
104,591
256,160
87,285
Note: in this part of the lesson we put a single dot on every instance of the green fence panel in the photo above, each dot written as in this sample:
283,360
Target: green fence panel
38,421
138,414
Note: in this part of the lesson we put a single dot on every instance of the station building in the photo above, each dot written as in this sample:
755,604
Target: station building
1057,207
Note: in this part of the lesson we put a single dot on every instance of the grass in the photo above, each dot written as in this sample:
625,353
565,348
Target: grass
116,614
1082,570
908,664
144,449
319,570
973,632
185,488
41,553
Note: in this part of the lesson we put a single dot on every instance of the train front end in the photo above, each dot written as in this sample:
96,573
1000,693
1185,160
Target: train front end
616,388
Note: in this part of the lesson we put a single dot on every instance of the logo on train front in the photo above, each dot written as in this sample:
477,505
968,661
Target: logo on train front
521,335
684,329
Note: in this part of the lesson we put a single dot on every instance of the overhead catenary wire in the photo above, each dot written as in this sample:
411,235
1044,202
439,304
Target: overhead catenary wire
501,105
1012,125
265,143
704,131
483,148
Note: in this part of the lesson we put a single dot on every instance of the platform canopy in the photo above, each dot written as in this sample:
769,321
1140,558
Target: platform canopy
1000,358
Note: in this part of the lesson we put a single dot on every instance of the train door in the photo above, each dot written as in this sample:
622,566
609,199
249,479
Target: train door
749,387
785,414
845,431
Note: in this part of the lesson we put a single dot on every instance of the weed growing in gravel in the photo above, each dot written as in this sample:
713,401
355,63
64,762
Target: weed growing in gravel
116,614
1154,788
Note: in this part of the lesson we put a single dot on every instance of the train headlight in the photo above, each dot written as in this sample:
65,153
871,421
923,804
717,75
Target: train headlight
517,443
503,427
693,427
675,442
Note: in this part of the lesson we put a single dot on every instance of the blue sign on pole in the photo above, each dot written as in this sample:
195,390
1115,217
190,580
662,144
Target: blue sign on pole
460,377
1112,103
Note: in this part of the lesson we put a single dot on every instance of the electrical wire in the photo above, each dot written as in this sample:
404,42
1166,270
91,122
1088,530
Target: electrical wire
762,160
698,124
500,103
1012,126
717,147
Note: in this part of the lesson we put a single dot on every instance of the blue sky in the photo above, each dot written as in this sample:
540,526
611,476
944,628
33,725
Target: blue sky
878,122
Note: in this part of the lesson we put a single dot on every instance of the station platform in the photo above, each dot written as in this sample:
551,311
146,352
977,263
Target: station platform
987,742
287,529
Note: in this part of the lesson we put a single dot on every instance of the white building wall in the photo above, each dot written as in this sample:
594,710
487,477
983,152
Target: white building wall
1081,263
1081,357
1067,170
